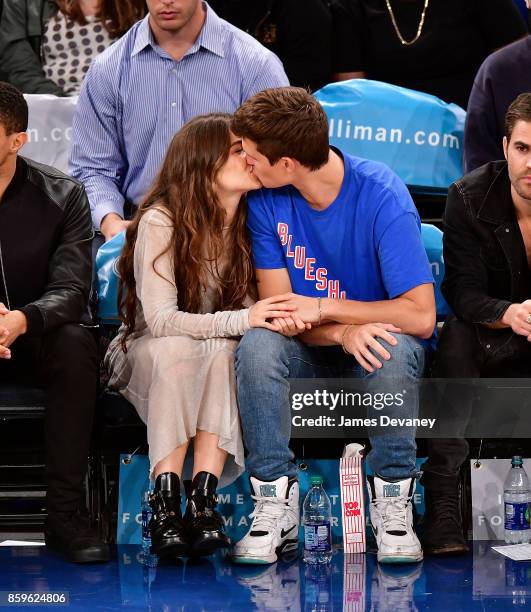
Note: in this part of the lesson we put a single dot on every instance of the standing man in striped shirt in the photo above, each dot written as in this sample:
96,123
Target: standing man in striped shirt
180,61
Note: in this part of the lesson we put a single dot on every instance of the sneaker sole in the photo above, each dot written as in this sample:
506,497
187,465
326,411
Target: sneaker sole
400,558
288,546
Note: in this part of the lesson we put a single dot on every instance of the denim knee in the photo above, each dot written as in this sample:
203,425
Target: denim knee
260,349
408,357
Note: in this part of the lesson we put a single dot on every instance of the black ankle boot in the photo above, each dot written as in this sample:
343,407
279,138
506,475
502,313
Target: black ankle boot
443,532
166,525
71,535
204,524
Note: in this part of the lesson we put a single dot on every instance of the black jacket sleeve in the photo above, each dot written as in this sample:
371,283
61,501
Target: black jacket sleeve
20,63
65,299
466,277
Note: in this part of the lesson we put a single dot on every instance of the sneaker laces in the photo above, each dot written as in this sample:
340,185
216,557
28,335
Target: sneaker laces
267,512
393,513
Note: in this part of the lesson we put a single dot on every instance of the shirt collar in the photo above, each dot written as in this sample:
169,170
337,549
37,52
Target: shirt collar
211,37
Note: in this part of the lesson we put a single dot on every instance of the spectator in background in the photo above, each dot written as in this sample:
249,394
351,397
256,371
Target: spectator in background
434,46
298,31
487,283
502,77
45,275
182,60
47,46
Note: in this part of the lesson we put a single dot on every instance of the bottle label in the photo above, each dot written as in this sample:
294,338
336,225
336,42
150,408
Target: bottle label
317,537
516,516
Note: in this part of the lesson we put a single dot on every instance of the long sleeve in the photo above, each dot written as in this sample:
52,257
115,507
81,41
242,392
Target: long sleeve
19,61
157,291
465,284
97,159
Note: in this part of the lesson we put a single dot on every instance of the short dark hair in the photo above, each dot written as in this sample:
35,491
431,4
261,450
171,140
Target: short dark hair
13,109
285,122
519,110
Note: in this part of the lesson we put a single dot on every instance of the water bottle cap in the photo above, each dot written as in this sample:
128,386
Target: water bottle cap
316,480
517,460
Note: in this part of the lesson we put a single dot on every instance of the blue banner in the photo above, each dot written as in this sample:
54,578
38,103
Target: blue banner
235,503
416,134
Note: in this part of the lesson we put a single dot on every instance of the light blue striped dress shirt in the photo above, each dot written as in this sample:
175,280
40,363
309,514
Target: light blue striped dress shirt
136,97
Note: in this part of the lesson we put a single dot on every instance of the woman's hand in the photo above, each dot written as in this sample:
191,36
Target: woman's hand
291,326
262,313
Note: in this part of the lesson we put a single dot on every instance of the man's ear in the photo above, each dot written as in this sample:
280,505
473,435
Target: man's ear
289,164
505,145
19,140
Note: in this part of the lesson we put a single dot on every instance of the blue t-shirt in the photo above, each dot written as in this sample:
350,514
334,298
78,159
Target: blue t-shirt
365,246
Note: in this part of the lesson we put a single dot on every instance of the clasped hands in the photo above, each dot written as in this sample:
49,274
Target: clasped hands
291,314
12,324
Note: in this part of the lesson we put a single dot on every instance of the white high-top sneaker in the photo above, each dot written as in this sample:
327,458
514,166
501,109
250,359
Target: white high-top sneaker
275,527
392,520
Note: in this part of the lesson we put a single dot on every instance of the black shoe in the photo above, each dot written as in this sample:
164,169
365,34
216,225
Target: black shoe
166,525
443,532
71,535
204,524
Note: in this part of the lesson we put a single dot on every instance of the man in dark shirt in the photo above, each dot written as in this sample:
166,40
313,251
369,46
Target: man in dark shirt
298,31
45,276
502,76
433,46
487,253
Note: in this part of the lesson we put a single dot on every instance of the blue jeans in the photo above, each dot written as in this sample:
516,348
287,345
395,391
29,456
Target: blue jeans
265,361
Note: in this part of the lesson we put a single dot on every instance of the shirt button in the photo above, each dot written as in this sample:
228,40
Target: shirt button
488,346
173,71
507,229
174,103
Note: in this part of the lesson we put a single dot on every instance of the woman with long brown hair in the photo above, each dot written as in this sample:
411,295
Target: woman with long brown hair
187,287
47,45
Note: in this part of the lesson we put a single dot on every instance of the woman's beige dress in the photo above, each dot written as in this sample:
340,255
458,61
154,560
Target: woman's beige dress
178,371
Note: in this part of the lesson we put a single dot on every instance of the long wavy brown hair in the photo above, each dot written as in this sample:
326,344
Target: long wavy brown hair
116,16
184,188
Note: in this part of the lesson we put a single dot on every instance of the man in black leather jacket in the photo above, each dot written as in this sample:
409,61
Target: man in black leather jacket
487,253
45,278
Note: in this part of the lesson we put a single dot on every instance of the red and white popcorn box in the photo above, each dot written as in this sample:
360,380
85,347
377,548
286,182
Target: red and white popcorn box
354,574
352,486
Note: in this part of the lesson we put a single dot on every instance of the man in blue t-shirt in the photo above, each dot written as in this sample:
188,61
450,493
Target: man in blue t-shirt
341,234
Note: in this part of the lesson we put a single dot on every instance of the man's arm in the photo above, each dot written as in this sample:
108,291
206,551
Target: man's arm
466,281
97,159
66,294
413,312
19,60
482,142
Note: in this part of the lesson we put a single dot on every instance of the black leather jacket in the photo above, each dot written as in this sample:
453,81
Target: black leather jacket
45,239
484,253
21,29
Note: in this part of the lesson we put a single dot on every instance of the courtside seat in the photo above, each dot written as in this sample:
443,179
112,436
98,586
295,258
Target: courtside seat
21,402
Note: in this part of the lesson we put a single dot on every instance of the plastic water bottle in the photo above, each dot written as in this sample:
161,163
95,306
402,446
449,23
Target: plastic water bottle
318,588
146,517
516,502
316,520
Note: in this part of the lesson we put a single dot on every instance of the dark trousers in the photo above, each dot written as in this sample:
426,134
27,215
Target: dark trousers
64,362
460,355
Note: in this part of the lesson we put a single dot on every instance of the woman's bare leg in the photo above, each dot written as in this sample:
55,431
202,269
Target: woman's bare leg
208,457
172,462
